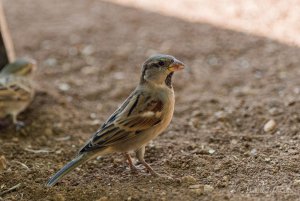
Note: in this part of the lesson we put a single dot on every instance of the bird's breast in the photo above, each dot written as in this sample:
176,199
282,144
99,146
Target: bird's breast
167,112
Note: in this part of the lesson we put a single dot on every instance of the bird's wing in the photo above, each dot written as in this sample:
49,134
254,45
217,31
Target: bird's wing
13,90
139,112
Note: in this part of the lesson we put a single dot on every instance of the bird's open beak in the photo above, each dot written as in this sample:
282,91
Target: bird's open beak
176,66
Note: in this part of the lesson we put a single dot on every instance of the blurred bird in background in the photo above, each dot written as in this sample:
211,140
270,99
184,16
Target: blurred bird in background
143,116
16,88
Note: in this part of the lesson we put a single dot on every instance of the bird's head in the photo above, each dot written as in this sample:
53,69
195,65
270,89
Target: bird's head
158,69
21,67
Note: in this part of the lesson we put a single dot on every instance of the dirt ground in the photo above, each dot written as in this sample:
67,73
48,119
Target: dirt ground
89,55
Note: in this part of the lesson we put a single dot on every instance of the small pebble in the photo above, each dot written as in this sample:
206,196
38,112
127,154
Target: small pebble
194,122
270,125
198,191
296,182
189,179
212,60
253,152
59,197
88,50
208,188
58,151
64,87
51,62
103,199
93,115
48,132
15,139
195,186
89,70
243,63
95,122
296,90
220,115
119,75
211,151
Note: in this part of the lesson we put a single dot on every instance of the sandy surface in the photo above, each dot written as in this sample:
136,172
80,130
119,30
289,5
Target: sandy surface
90,53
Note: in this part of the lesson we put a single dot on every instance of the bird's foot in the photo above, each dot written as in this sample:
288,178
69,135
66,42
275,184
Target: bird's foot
149,169
154,173
133,169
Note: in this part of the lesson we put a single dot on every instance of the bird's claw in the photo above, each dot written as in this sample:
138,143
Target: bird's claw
134,169
154,174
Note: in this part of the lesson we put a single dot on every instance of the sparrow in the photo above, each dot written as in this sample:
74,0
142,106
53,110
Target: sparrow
16,88
142,117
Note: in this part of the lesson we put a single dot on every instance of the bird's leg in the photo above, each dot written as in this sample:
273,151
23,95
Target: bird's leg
140,155
131,165
19,124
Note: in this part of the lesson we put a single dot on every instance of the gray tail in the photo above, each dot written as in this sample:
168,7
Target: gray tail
68,168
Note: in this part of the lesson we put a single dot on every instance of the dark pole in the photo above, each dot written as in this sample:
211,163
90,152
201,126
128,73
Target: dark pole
7,53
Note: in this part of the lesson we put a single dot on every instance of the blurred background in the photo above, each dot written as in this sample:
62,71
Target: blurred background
244,64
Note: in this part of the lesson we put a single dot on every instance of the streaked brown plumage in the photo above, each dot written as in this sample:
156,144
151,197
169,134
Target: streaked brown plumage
145,114
16,88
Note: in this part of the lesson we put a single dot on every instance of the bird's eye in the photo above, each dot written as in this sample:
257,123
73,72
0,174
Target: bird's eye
161,63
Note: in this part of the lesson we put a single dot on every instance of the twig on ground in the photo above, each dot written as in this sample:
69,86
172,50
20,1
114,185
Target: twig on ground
37,151
10,189
63,138
22,164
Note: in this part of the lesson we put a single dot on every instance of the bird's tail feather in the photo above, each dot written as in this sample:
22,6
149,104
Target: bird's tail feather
68,168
